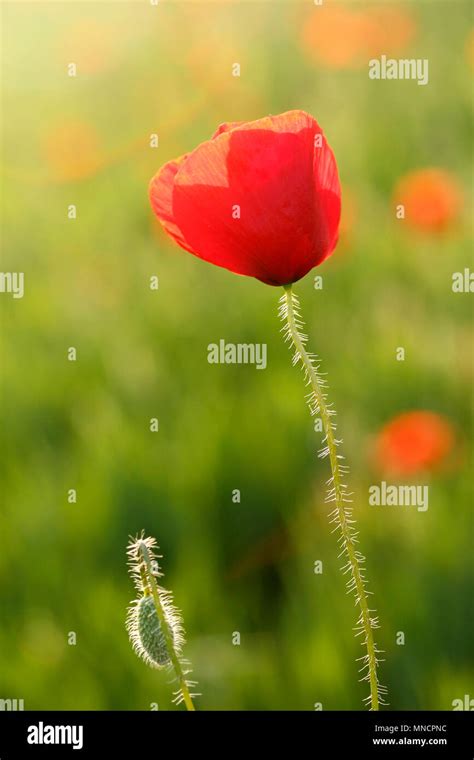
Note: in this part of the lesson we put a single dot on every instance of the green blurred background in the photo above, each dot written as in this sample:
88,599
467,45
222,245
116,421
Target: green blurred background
247,567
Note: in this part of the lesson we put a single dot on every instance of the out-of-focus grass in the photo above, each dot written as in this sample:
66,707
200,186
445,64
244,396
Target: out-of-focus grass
143,354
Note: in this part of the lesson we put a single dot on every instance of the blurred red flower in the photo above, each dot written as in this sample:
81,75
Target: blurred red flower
414,442
432,199
259,198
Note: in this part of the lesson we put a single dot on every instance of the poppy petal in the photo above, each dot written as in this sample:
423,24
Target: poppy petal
226,126
161,195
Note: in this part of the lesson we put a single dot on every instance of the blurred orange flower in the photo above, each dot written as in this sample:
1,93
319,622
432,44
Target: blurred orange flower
432,199
344,38
414,442
470,48
72,151
93,46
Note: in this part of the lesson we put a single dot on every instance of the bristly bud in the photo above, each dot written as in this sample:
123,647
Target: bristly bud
146,633
153,623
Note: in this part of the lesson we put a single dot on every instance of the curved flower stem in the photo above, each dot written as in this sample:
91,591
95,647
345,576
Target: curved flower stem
152,585
337,493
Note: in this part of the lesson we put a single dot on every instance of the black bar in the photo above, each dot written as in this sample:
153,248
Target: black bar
109,734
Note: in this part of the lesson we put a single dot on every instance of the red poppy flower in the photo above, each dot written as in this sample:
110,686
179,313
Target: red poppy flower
259,198
414,442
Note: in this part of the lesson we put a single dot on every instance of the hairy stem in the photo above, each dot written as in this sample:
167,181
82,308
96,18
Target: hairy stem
152,586
341,516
